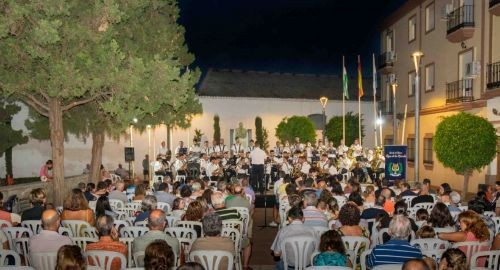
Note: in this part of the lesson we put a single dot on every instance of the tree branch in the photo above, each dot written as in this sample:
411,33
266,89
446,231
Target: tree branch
77,103
37,102
35,106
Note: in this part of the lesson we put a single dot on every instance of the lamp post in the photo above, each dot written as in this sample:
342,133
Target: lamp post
416,60
394,119
323,100
150,175
132,163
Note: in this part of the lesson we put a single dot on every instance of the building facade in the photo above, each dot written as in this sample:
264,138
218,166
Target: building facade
459,71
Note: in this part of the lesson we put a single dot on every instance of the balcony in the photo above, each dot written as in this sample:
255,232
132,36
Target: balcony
493,76
459,91
495,7
386,62
385,107
460,25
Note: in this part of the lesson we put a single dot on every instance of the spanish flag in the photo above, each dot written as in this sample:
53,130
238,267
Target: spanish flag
360,79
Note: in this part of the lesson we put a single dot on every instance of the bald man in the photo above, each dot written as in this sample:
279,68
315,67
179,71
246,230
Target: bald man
49,240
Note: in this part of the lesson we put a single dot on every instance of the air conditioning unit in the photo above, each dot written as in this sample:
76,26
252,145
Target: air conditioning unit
392,79
446,11
472,69
391,57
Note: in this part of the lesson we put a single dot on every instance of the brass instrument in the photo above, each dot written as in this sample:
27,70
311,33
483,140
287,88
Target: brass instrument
375,163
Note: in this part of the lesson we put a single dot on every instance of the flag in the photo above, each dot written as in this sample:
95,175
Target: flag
345,83
374,77
360,79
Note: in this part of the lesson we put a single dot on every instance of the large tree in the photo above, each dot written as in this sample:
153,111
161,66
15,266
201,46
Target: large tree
465,142
296,126
334,128
8,136
128,57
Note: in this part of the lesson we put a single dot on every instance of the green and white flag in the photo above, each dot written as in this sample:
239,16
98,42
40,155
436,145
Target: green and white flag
345,83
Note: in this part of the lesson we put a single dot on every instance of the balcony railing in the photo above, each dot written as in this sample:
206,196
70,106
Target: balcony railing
385,107
384,61
459,91
493,75
494,2
460,17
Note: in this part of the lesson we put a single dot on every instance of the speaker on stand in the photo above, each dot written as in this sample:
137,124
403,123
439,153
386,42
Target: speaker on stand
129,157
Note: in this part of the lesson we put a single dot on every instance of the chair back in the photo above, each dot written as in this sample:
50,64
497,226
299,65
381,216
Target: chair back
133,231
297,251
362,260
21,247
244,217
91,232
76,226
164,206
211,259
444,230
408,199
463,208
119,224
353,244
190,225
492,257
16,232
65,231
143,223
83,241
185,236
103,258
116,205
172,220
319,230
34,225
235,235
5,254
490,214
139,258
471,248
43,260
426,206
283,209
497,223
128,241
431,247
341,200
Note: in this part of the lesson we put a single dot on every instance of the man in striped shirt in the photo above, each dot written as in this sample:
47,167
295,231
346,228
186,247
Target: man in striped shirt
397,250
312,215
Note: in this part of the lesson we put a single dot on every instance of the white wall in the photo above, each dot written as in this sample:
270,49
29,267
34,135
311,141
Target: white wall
28,158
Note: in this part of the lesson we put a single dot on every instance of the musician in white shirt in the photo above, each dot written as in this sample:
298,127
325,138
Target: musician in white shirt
324,163
242,164
180,164
358,149
163,150
204,161
333,168
195,148
298,146
220,147
205,149
158,168
258,157
305,166
237,147
180,148
213,168
342,149
285,165
278,149
251,146
287,147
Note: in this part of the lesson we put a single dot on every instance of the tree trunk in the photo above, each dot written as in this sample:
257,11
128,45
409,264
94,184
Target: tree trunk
8,161
466,186
57,142
95,164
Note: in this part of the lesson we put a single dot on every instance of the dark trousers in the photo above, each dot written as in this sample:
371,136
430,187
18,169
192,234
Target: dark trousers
257,178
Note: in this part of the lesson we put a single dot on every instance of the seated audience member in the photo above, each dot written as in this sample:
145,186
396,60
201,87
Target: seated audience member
178,208
156,222
422,215
89,192
103,207
427,183
415,264
108,241
48,240
369,197
194,212
440,217
158,255
140,192
37,199
212,227
453,259
349,217
119,192
397,250
163,194
332,250
389,204
478,206
295,228
69,257
400,208
75,207
426,231
220,207
405,190
101,190
313,216
191,266
238,199
147,205
377,211
13,218
423,196
454,202
120,171
444,188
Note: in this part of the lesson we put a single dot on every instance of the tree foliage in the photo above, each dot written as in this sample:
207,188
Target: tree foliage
216,129
334,128
296,126
9,137
465,142
259,132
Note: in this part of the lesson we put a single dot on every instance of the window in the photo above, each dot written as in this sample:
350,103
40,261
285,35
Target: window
412,28
429,77
465,61
428,151
411,83
411,149
389,41
429,18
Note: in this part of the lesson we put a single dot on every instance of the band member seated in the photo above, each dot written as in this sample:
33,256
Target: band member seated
214,171
163,151
180,164
236,148
159,166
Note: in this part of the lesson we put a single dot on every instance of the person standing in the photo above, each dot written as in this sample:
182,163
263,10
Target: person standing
145,167
258,156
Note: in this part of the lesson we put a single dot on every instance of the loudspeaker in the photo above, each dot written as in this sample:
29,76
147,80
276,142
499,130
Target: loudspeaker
129,154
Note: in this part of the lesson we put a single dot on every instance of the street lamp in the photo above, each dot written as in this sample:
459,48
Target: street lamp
323,100
394,120
416,60
150,175
131,170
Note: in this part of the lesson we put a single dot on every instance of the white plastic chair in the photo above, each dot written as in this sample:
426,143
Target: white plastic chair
319,230
497,223
164,206
388,267
143,223
352,245
59,210
139,258
104,258
493,259
76,226
191,225
302,248
16,268
119,224
235,235
116,205
431,247
233,223
43,260
4,254
16,232
172,220
490,214
65,231
444,230
362,261
408,199
472,247
34,225
21,247
83,241
426,206
341,200
283,210
133,231
463,208
185,236
128,241
244,217
211,259
90,232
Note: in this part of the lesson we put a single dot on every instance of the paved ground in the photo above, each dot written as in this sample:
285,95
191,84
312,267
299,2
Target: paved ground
262,239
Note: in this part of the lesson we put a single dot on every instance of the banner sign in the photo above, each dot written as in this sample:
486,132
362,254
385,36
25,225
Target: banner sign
395,162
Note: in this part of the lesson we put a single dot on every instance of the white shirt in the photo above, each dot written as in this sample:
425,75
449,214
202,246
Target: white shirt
250,148
178,164
342,149
195,149
211,168
157,165
258,156
236,148
305,168
162,151
333,170
204,164
220,148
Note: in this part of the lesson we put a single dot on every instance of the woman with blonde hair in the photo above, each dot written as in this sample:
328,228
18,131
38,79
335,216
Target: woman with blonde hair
369,196
75,207
69,257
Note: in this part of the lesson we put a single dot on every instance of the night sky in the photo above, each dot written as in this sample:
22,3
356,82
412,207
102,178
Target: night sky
307,36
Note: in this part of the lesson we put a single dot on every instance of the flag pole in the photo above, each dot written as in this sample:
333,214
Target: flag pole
380,128
404,126
360,85
343,103
374,100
